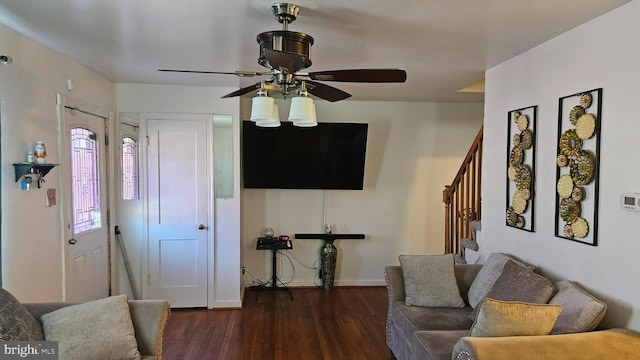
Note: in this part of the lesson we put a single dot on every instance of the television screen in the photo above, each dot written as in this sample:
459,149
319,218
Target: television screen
328,156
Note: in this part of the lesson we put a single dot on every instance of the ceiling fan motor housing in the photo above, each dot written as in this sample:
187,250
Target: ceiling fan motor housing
293,43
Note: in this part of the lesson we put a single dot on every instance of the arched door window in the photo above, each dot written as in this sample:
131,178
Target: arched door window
129,168
85,180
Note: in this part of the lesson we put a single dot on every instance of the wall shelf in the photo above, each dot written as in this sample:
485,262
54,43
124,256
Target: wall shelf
26,168
329,237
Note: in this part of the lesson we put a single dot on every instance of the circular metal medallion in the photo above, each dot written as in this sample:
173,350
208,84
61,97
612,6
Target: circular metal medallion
569,210
570,143
582,167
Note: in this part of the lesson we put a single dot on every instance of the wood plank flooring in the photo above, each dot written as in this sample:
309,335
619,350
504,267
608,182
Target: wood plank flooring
344,323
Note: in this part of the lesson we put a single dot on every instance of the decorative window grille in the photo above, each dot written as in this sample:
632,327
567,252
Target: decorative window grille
129,168
85,181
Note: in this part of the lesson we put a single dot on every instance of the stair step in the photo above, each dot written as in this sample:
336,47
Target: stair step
469,244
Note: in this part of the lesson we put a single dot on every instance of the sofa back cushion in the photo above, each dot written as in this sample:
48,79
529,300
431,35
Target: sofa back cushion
580,310
100,329
487,276
429,280
513,318
16,323
518,283
465,274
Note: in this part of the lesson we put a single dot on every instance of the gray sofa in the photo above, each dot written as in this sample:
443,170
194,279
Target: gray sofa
149,319
108,329
443,333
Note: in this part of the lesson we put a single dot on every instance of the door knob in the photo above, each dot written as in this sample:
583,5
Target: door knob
72,241
201,227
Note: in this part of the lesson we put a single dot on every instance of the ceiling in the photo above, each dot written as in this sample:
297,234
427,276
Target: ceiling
444,45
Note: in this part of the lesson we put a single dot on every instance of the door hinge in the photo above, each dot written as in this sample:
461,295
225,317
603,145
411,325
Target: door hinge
106,139
149,279
109,218
147,140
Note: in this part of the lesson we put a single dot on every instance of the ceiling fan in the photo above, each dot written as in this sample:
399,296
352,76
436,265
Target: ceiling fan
286,52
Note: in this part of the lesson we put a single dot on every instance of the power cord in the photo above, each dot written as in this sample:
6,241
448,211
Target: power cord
293,268
314,267
254,281
288,255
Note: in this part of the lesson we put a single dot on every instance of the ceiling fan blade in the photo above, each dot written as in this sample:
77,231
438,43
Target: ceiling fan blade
280,60
242,91
326,92
361,75
236,73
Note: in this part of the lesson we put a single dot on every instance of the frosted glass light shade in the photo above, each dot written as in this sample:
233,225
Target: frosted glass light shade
308,122
274,121
262,108
302,112
268,123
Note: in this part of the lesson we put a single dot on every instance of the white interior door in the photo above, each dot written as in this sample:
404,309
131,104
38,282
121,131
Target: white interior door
87,260
179,197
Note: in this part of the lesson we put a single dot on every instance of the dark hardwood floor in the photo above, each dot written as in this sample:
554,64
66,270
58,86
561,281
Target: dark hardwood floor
344,323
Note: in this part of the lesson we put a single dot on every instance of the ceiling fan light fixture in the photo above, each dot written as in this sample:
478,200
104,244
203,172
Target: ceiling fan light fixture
308,122
268,124
274,121
262,107
303,112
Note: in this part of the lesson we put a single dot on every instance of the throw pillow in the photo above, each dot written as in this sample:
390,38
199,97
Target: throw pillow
517,283
16,322
100,329
429,280
491,269
514,318
580,311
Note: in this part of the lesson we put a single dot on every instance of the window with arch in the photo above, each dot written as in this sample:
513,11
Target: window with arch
129,163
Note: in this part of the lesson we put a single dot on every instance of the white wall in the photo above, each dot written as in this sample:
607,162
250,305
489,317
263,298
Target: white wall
601,53
226,288
413,151
32,243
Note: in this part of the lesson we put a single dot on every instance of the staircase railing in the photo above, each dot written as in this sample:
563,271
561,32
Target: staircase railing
462,198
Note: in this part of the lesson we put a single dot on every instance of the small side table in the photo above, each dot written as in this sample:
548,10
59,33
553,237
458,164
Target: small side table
328,254
274,245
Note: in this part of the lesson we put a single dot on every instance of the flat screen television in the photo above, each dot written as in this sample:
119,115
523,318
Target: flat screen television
328,156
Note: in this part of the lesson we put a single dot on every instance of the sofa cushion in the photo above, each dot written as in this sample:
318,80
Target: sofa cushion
487,276
100,329
580,310
514,318
429,280
16,323
517,283
409,319
436,344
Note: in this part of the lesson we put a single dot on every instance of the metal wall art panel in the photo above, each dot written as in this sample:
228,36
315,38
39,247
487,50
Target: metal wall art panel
578,158
521,165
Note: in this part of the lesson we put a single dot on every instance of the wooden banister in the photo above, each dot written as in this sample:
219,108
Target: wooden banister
462,198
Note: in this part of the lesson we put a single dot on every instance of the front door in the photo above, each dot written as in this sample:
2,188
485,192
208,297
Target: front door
179,197
85,208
